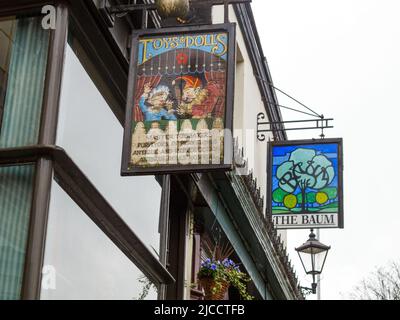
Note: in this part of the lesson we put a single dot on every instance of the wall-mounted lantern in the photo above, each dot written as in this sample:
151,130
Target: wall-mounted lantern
312,256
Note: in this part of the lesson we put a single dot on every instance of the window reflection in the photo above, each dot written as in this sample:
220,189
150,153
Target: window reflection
16,190
23,60
7,30
81,262
92,136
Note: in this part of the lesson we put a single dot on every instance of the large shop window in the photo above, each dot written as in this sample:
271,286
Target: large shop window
82,263
16,189
92,136
23,59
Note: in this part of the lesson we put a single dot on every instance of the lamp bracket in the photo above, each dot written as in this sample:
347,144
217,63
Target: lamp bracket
307,291
320,123
111,12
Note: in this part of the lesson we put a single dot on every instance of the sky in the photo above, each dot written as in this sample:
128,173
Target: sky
342,59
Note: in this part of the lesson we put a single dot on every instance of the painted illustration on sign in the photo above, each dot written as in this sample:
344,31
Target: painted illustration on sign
179,103
305,186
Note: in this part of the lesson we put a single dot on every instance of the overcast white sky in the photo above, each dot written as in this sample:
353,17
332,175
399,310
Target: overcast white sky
342,58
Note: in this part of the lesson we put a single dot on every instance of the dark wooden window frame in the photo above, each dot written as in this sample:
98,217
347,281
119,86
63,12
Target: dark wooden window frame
88,198
50,159
47,133
176,246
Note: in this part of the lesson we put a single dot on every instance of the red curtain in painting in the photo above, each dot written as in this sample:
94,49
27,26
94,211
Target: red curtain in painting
216,86
140,82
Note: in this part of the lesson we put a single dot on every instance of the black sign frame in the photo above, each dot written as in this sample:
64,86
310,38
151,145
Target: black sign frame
126,169
339,142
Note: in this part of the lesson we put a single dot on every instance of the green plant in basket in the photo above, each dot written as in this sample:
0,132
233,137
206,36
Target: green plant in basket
216,276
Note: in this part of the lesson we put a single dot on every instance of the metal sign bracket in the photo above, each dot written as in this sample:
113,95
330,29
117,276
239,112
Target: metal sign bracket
263,126
110,12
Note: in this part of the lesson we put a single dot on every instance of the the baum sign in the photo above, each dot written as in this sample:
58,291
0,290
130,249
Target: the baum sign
305,186
180,100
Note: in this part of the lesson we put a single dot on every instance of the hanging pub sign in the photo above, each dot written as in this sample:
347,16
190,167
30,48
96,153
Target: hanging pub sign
305,184
180,100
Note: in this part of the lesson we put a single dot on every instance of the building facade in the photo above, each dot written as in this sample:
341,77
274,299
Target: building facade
70,226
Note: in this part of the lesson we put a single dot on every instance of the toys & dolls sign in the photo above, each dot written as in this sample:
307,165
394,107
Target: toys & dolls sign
180,100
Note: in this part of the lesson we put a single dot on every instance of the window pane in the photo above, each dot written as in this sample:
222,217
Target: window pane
16,189
80,260
7,30
92,136
23,60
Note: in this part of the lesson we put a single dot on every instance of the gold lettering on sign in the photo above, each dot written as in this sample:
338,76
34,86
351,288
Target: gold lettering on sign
157,152
217,44
204,135
139,143
172,147
172,135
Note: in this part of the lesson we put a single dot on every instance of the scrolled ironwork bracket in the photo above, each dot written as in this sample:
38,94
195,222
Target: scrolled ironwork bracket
263,126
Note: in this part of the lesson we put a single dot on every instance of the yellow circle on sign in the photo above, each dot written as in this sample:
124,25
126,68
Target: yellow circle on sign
321,197
290,201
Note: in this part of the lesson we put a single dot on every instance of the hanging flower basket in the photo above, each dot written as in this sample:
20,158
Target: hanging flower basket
214,290
215,277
